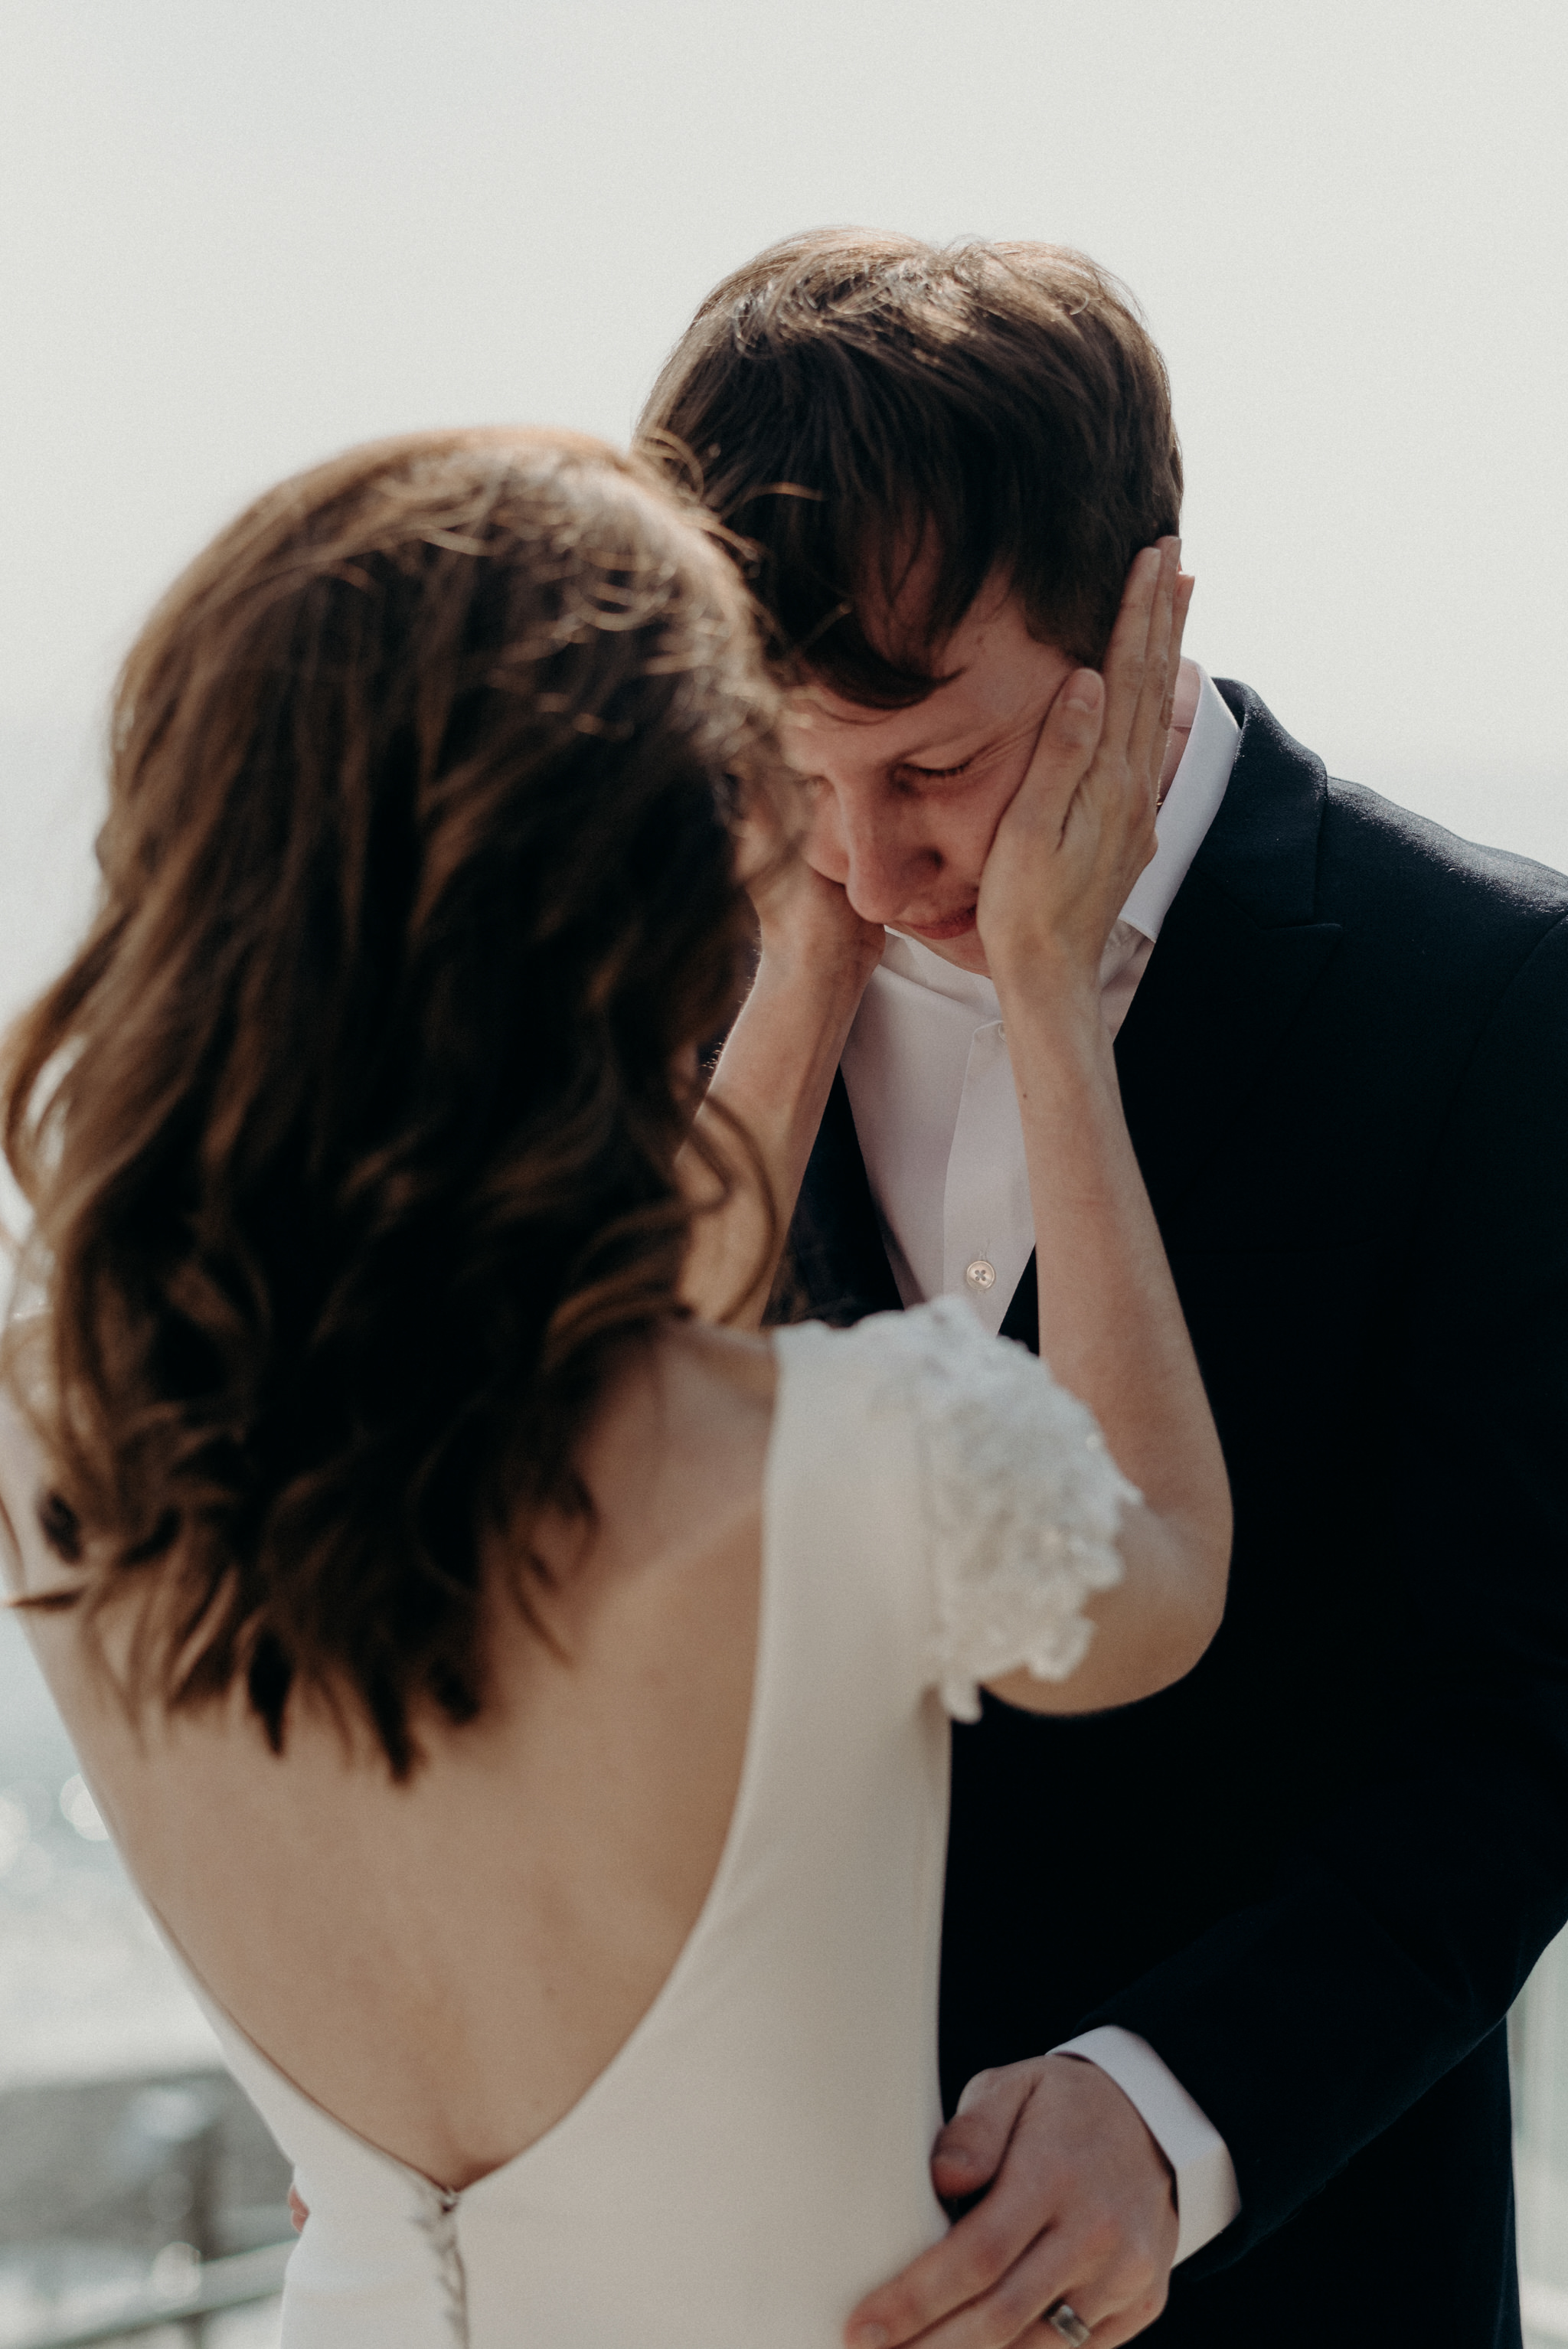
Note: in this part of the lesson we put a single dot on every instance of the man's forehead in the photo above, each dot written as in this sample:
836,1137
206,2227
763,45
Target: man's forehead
986,665
817,714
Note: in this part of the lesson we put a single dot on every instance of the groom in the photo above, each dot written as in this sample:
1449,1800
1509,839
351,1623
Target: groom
1232,1965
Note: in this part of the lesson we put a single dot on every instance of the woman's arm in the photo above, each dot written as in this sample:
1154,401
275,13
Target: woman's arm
1068,850
773,1076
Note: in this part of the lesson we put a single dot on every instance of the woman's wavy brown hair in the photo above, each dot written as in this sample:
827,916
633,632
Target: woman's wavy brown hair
350,1131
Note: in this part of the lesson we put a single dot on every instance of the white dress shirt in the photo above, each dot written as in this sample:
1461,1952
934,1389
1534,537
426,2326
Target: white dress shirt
936,1115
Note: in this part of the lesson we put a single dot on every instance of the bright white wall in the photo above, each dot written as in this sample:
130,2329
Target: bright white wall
239,233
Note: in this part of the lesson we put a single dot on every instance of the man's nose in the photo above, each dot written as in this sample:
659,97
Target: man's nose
867,850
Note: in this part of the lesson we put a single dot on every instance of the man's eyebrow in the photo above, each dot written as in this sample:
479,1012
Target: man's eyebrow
993,730
986,726
866,713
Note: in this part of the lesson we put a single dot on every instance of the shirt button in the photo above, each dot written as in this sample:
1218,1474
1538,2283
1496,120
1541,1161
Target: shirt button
981,1274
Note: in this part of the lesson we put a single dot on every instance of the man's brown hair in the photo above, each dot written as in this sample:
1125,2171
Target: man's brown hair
851,402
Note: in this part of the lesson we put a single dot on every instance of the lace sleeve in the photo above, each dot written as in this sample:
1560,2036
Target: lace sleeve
1020,1499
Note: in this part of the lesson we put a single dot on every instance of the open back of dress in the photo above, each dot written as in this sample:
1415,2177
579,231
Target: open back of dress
753,2160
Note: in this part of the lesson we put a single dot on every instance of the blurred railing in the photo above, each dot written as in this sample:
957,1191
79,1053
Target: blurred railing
214,2287
179,2151
147,2204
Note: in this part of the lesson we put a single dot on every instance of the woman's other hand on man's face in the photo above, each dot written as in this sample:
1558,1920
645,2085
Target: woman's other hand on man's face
809,930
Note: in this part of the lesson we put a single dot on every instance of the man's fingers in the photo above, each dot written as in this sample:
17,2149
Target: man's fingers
1116,2297
967,2155
1007,2293
956,2273
986,2243
969,2150
1079,2209
1013,2310
1110,2331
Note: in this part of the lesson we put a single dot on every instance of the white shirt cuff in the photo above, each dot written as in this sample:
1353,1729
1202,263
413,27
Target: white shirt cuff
1206,2195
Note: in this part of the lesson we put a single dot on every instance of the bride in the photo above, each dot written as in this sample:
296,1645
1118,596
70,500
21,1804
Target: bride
521,1698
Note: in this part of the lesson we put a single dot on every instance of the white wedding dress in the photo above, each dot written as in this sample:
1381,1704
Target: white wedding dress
754,2158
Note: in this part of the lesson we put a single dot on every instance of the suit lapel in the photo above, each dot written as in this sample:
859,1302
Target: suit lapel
1214,1007
1238,954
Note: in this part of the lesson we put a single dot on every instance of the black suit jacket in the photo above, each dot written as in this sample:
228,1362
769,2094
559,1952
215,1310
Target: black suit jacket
1315,1874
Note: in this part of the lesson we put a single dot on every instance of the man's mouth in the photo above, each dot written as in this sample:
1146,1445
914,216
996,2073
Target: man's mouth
952,926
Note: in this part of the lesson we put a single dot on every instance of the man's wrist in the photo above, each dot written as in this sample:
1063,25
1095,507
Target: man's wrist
1072,2054
1203,2175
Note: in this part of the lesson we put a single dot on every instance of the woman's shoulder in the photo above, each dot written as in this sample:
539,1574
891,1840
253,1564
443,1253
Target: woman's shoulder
987,1395
1012,1484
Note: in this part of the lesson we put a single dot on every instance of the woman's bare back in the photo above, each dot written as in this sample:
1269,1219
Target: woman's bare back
447,1966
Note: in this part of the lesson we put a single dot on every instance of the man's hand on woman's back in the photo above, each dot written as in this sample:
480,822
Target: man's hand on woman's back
1077,2205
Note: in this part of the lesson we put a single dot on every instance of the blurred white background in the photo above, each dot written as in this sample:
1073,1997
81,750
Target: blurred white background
237,236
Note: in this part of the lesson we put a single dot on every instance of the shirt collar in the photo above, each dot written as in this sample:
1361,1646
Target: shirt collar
907,958
1191,805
